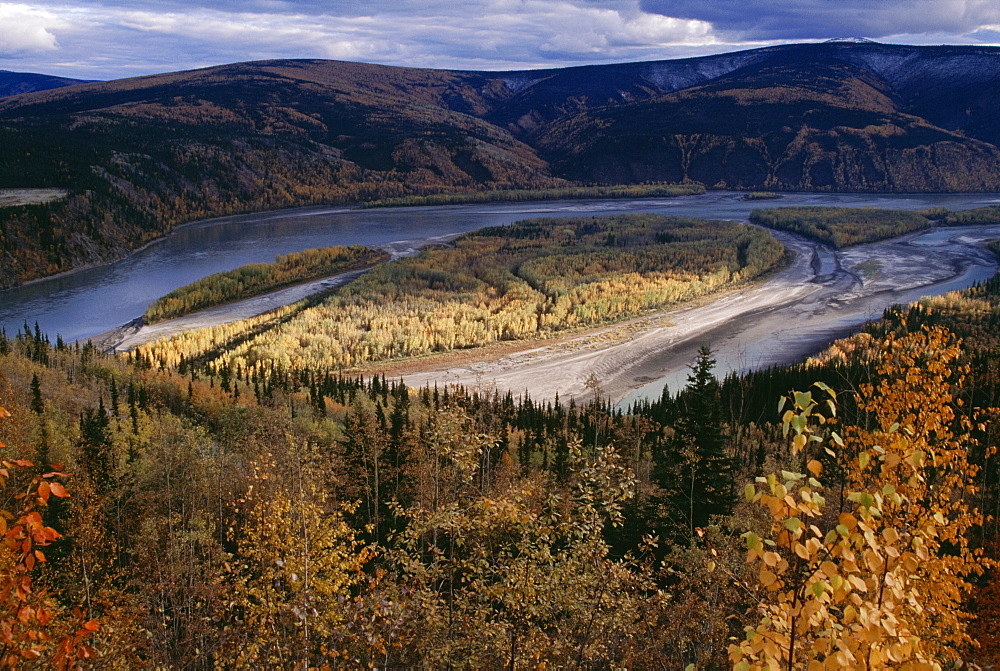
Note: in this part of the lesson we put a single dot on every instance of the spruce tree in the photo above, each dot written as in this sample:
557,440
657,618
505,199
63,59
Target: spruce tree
36,395
693,468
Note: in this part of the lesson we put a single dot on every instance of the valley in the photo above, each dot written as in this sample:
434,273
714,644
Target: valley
141,156
671,364
824,294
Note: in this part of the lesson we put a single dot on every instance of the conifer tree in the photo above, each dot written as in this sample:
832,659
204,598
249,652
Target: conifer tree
693,469
37,405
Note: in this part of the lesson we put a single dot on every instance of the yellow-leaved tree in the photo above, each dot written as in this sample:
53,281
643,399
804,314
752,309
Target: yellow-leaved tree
881,583
296,565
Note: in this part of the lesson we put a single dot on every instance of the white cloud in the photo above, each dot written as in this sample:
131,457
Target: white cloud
24,28
113,38
590,30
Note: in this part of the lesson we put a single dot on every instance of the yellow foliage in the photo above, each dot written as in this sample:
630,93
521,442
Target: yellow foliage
880,585
523,281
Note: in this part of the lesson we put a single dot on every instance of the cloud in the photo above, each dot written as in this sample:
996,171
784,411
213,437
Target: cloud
115,38
476,34
592,30
821,19
26,29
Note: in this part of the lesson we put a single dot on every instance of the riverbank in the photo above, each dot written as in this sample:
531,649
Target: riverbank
788,317
134,333
822,294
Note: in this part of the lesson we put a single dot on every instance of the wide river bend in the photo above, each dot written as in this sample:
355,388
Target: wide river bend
822,295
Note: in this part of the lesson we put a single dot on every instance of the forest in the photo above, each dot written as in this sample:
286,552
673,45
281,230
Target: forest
259,278
980,216
528,280
840,512
842,226
557,193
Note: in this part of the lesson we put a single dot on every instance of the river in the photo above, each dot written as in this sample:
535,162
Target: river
92,301
824,294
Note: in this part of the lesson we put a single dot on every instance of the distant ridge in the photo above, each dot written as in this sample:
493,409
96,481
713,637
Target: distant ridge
14,83
850,40
140,155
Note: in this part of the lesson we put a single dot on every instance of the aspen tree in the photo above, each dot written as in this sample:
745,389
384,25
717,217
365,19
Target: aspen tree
881,584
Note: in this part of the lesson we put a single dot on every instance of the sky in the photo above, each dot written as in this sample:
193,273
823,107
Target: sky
108,39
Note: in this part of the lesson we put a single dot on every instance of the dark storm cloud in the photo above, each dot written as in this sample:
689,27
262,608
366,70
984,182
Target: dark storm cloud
822,19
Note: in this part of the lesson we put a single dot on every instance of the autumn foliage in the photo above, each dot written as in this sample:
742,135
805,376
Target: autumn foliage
307,519
527,280
32,627
881,582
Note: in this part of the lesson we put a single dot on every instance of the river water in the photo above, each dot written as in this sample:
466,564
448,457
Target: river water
93,301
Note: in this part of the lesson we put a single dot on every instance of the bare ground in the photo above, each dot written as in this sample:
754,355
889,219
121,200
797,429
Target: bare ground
791,315
12,197
821,295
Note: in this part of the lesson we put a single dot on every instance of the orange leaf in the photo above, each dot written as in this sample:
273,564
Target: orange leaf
3,412
93,625
59,490
43,491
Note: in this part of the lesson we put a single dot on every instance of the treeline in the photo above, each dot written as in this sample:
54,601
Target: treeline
841,226
558,193
272,517
527,280
980,216
259,278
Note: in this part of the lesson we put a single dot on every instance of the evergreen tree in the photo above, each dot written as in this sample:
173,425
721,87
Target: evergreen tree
95,445
37,405
693,469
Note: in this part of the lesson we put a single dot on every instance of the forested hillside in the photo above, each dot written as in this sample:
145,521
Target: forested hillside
15,83
281,518
142,155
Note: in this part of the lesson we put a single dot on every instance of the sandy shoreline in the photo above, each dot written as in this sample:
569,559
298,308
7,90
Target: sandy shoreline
820,295
134,333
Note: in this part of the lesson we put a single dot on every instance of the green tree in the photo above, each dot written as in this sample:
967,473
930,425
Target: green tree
37,405
693,469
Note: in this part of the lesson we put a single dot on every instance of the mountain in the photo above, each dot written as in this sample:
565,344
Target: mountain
143,154
835,116
14,83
